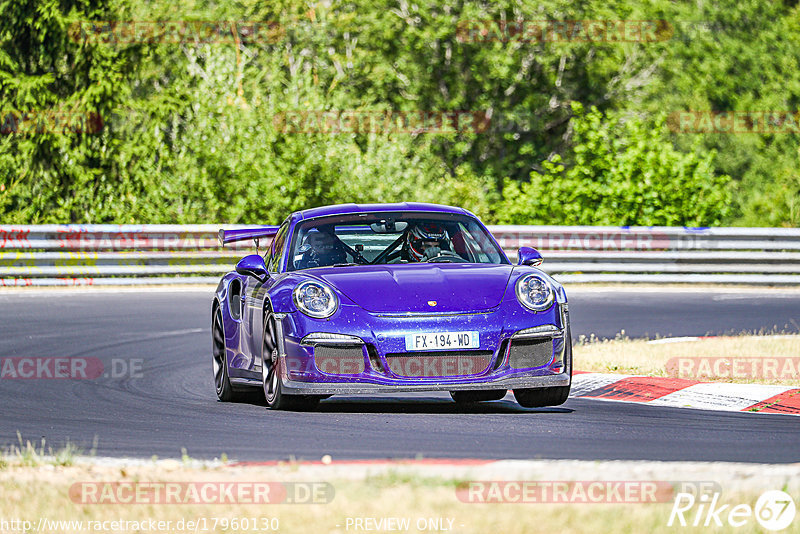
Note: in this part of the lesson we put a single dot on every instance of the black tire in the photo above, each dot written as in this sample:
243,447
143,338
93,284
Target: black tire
271,374
550,396
222,381
541,397
470,397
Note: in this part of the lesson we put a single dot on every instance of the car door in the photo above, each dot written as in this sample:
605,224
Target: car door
255,293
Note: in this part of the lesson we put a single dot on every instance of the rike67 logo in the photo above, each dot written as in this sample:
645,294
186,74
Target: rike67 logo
774,510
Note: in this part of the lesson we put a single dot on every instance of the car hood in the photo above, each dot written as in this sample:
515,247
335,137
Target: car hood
432,288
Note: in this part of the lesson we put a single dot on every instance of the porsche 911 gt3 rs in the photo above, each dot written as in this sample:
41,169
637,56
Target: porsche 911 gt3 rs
369,299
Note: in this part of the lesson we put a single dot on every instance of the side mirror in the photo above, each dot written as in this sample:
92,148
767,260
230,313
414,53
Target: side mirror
529,256
252,265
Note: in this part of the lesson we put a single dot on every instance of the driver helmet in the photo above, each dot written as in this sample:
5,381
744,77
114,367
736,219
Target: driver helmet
422,237
322,248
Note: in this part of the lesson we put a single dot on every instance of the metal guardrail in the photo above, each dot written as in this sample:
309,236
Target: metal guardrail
661,254
114,254
190,254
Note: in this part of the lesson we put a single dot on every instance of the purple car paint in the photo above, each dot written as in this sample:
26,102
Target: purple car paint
231,236
369,299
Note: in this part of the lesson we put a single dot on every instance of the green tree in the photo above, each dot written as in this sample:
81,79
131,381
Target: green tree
726,56
48,75
623,171
189,132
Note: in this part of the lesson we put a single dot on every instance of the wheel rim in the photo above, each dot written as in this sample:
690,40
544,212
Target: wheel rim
218,352
269,361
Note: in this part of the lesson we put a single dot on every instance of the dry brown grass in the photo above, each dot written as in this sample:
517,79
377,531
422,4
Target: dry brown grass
32,493
650,358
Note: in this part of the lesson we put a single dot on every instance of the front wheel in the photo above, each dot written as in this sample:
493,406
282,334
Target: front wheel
552,396
271,370
541,397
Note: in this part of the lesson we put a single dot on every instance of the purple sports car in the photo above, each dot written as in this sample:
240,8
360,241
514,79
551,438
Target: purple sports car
366,299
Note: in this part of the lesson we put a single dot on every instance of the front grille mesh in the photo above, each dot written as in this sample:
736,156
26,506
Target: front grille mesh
527,353
439,364
339,360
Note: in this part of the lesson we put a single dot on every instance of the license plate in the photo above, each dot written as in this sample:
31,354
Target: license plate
442,340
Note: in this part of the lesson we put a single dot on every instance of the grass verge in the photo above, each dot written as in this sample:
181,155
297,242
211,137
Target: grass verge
45,496
738,359
28,454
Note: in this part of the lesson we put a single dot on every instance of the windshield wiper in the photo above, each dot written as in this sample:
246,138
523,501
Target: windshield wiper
344,264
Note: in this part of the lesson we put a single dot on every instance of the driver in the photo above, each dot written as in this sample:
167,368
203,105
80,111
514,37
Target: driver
424,241
321,249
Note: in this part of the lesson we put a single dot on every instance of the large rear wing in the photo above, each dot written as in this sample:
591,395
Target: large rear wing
230,236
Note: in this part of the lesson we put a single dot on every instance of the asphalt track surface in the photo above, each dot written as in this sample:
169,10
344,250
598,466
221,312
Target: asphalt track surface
172,404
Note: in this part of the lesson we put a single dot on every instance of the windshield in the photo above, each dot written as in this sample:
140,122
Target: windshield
385,238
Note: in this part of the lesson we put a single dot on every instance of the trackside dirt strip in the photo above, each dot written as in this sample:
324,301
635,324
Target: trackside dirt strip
678,392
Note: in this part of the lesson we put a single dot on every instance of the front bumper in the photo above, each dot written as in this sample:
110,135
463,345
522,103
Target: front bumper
293,387
372,371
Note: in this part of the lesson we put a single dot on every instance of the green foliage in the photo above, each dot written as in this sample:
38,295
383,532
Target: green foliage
624,172
736,56
191,131
224,157
775,203
50,175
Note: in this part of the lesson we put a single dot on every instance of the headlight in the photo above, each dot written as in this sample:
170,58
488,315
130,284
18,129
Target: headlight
315,299
534,292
